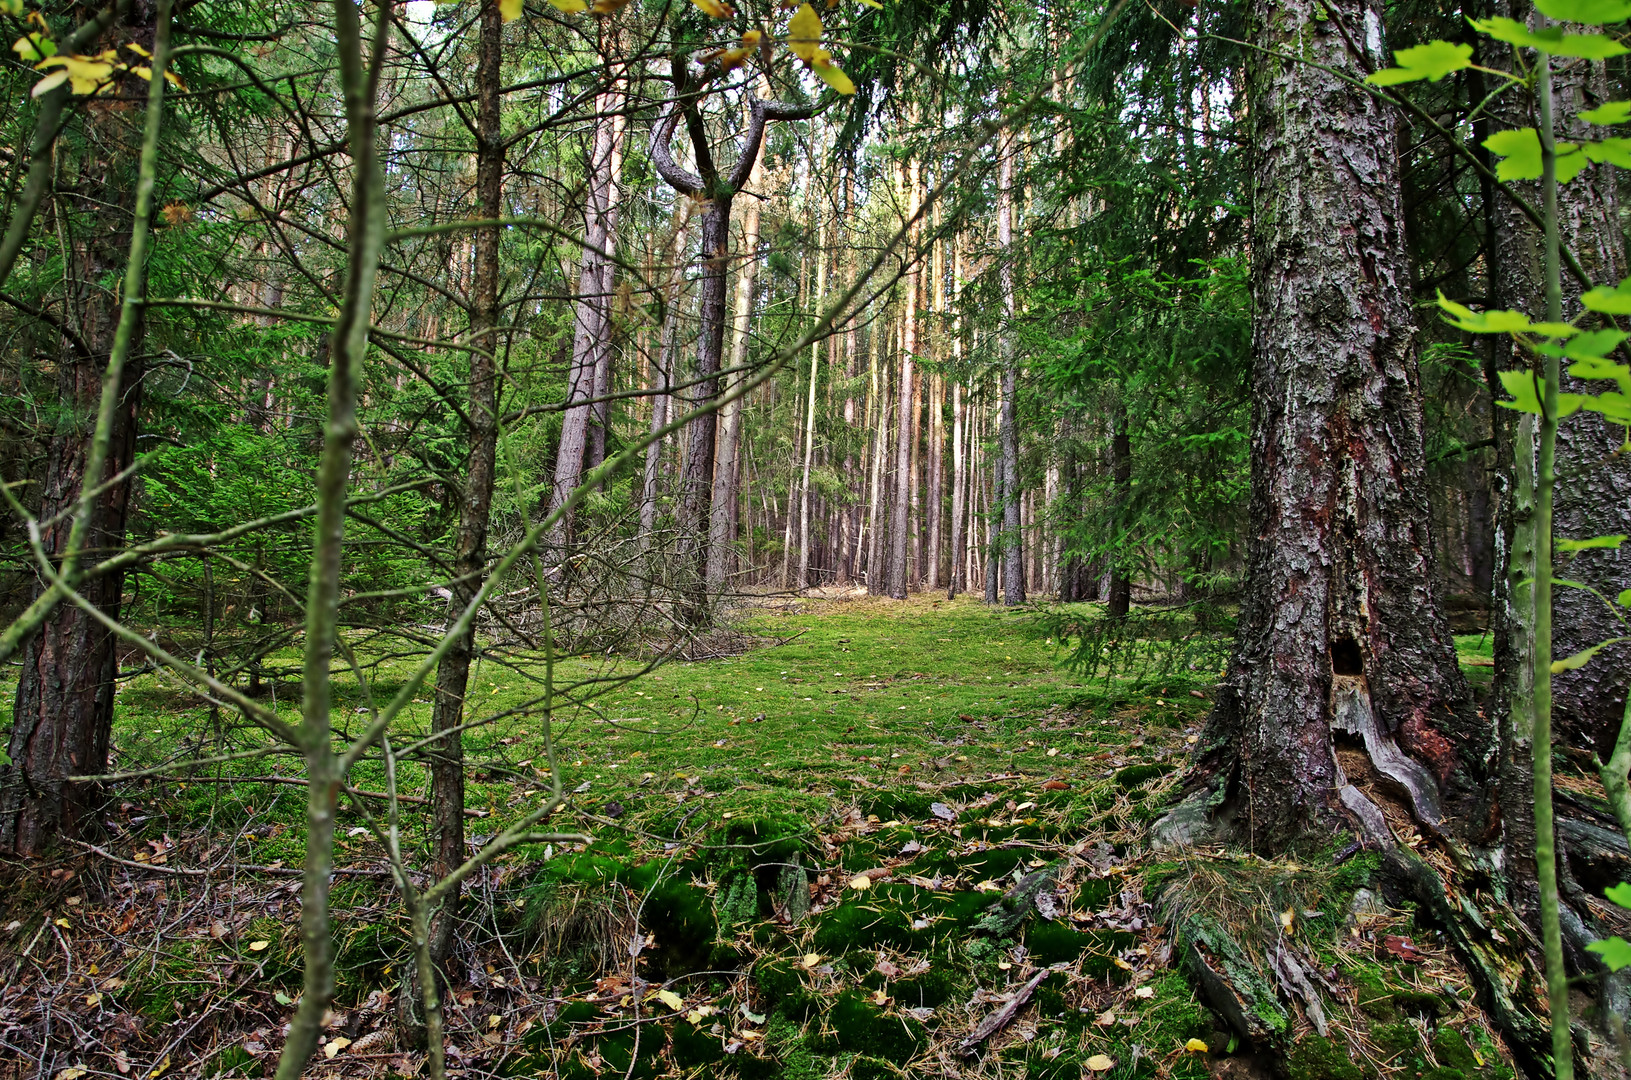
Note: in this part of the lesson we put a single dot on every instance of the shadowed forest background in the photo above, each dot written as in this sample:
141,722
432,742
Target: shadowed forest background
641,538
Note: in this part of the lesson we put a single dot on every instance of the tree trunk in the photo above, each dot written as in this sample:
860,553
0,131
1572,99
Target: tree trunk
900,525
880,441
1119,600
1013,540
662,376
63,709
476,495
601,346
809,415
1341,634
588,327
722,511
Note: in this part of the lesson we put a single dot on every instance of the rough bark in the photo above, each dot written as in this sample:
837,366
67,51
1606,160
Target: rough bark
1120,597
1012,540
1341,635
717,190
475,494
63,709
805,553
662,374
602,354
900,523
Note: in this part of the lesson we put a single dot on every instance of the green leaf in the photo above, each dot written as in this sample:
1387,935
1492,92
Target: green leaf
1527,393
1595,367
1569,162
1593,344
1620,894
1431,61
1613,112
1616,301
1612,542
1554,329
1524,389
1551,39
1614,406
1594,12
1614,951
1583,657
1610,152
1625,601
1489,322
1520,149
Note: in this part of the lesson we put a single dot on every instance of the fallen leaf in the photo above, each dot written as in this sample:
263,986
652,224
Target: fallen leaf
160,1069
259,946
810,959
879,997
335,1046
1105,1019
1287,917
1099,1063
860,883
942,811
1195,1046
671,999
1144,992
887,968
1403,948
1056,785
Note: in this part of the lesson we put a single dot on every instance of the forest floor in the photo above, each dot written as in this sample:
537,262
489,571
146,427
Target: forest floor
849,848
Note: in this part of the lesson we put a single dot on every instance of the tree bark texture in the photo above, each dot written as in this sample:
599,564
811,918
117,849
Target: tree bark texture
662,375
1341,641
63,709
1012,544
476,493
900,523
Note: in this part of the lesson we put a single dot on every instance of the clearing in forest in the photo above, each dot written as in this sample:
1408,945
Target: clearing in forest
864,838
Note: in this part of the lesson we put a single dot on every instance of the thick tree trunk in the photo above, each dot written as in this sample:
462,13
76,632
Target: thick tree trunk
63,709
476,494
1341,636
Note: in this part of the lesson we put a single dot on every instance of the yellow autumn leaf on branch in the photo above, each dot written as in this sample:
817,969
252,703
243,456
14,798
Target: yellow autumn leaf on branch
804,33
830,73
85,74
715,8
510,10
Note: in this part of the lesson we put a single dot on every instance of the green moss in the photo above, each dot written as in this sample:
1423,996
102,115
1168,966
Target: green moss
1451,1049
1134,775
737,900
1375,1000
693,1046
871,1068
867,1029
1053,943
1419,1002
1395,1039
1317,1058
930,990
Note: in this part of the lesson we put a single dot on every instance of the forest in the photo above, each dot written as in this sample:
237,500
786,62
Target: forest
814,540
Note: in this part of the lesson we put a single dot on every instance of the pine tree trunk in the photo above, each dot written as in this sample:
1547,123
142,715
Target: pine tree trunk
476,494
1340,628
600,407
900,525
1013,539
959,487
817,299
663,370
1119,600
63,708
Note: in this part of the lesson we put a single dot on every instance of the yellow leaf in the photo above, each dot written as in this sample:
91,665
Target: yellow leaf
1195,1046
93,999
860,883
811,959
510,10
1122,964
335,1046
879,997
45,86
671,999
715,8
70,1074
1287,916
493,1020
160,1069
1099,1063
831,74
258,946
804,33
63,923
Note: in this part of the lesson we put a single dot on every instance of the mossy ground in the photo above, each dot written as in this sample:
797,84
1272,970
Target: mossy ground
936,751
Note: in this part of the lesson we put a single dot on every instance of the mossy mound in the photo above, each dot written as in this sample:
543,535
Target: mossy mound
869,1029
